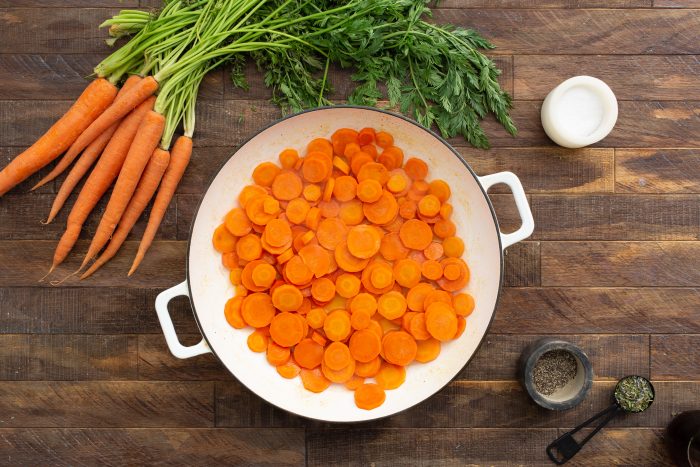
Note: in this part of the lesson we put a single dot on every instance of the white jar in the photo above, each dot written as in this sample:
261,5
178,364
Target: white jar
580,111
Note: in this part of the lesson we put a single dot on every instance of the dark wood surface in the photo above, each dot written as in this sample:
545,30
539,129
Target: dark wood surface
86,378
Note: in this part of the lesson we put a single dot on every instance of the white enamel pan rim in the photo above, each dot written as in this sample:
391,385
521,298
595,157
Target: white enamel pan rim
504,240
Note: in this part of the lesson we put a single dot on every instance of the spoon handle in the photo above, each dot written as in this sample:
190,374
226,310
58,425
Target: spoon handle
565,447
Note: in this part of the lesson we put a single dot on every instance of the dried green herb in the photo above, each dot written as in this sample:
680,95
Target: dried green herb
634,394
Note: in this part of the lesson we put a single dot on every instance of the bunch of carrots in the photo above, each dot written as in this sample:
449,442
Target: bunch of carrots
347,264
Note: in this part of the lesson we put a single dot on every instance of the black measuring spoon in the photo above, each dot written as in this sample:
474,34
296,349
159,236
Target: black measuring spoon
633,394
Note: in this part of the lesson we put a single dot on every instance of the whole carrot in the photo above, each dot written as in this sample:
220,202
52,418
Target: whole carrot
145,190
139,93
179,158
99,181
96,97
145,142
93,149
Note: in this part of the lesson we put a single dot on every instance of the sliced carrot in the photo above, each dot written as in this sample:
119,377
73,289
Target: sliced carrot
287,185
313,218
277,354
369,191
257,341
337,325
399,347
378,277
364,302
257,309
317,167
312,193
316,258
329,209
347,285
328,190
446,210
289,369
407,272
339,376
392,248
286,330
232,311
428,350
445,228
396,184
351,212
417,327
346,261
373,171
391,158
297,210
249,192
223,240
345,188
392,305
416,234
460,281
390,376
368,369
431,270
316,317
383,210
359,160
288,158
313,380
369,149
360,320
229,260
337,356
354,382
429,206
384,139
237,222
318,338
340,164
434,251
417,294
463,304
285,256
265,173
407,209
437,296
258,209
297,272
416,169
363,241
440,189
365,345
235,274
323,289
248,247
308,353
247,276
441,321
366,136
287,298
331,232
264,275
453,246
278,233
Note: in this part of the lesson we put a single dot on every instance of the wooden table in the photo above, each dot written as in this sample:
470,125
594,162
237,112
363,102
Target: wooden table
612,265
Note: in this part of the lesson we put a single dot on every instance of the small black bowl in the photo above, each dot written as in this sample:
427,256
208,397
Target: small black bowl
570,395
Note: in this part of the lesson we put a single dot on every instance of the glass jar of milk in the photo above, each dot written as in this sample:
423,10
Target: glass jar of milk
580,111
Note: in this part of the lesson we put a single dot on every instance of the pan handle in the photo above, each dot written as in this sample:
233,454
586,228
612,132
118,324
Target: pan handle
176,348
528,223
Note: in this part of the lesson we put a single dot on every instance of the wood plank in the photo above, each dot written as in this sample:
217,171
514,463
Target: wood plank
67,357
26,261
155,362
675,357
676,4
665,77
71,3
88,310
53,30
64,76
522,265
616,217
22,214
152,446
620,264
204,165
434,447
548,170
106,404
600,31
555,310
498,447
612,356
657,171
544,4
236,406
640,124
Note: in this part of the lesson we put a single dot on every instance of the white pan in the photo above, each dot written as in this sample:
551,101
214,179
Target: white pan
208,286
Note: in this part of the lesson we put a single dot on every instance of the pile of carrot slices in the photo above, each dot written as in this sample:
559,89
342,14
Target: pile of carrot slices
346,263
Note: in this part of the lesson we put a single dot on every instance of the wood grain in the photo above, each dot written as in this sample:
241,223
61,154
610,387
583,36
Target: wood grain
664,78
106,404
548,170
612,356
156,362
25,262
71,3
152,446
67,357
545,3
616,217
619,264
236,406
600,31
23,213
631,446
657,171
676,3
522,265
556,310
675,357
88,310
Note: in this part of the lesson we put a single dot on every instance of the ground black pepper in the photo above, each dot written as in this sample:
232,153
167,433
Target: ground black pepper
554,370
